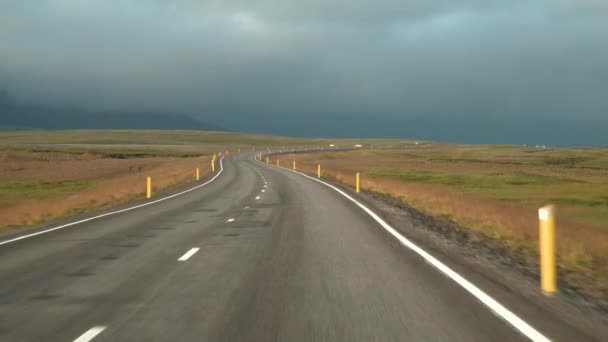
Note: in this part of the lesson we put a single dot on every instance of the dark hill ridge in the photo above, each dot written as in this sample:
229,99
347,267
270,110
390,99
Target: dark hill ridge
15,116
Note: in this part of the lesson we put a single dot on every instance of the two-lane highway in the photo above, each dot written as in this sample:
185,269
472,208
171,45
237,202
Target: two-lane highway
259,254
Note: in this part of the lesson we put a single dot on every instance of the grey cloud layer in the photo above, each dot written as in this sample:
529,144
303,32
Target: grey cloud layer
360,58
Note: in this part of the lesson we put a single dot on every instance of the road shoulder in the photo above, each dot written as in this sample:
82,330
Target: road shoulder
505,277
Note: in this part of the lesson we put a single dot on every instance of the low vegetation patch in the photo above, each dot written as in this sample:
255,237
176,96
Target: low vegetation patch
473,181
40,184
10,192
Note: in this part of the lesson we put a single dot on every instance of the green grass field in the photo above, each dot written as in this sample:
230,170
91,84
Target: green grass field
586,201
575,178
16,191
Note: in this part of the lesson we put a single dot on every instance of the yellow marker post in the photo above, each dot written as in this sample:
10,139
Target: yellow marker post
548,278
213,165
278,162
267,160
294,165
149,188
358,182
198,174
318,170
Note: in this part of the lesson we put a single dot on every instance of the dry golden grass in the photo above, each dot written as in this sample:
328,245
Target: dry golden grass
505,212
101,181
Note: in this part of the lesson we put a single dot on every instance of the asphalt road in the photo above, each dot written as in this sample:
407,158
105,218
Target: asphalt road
260,254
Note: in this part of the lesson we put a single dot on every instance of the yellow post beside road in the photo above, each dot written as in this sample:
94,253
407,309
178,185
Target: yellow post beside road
358,182
294,165
278,162
318,170
198,174
149,188
548,278
267,160
213,165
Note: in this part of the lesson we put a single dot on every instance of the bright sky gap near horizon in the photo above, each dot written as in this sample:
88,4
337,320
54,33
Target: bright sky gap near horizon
530,72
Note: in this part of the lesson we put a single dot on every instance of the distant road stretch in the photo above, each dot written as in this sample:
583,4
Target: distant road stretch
257,254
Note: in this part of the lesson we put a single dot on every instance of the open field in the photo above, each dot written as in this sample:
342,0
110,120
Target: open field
38,186
183,140
494,192
49,174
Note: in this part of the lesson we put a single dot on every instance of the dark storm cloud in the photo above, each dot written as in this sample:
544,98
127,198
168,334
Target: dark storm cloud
235,61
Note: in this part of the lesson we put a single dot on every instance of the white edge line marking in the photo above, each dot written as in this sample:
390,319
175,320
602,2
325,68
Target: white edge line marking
188,254
90,334
115,212
490,302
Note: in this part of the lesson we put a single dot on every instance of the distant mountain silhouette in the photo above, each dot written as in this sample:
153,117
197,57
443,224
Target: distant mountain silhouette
15,116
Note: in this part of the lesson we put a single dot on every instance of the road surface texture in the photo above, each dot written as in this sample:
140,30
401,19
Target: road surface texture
259,254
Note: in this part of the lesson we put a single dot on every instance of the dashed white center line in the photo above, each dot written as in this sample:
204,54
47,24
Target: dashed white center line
263,190
230,220
257,198
90,334
188,254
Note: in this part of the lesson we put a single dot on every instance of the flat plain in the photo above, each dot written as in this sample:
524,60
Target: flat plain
45,175
491,191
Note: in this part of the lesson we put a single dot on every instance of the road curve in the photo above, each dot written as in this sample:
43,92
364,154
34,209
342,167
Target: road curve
259,254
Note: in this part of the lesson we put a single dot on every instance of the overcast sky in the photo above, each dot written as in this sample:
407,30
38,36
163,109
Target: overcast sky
278,65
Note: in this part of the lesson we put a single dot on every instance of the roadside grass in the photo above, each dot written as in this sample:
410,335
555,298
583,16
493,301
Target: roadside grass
495,192
469,181
37,186
44,206
10,192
